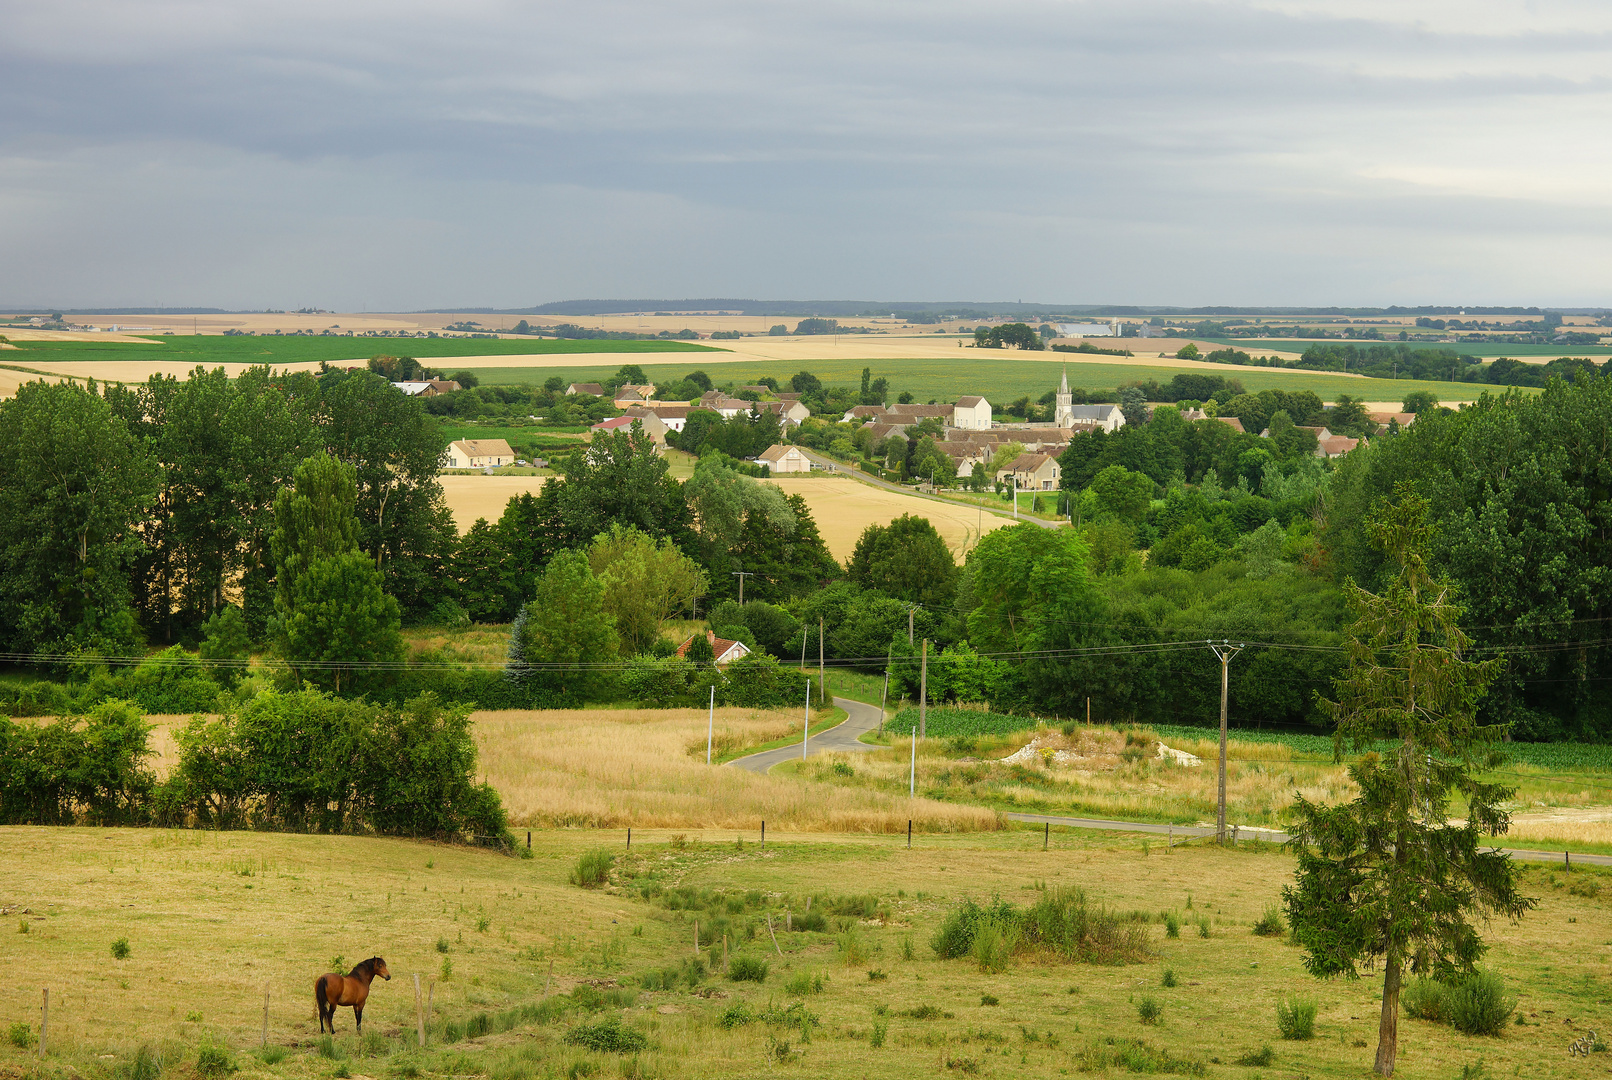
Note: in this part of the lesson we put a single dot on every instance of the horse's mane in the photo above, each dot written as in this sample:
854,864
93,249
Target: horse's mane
364,965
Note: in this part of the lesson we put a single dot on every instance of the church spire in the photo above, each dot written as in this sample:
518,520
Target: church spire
1063,384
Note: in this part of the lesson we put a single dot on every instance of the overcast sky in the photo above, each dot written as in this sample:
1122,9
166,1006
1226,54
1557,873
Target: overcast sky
396,154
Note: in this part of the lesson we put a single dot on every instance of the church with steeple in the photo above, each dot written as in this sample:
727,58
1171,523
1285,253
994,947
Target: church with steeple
1066,414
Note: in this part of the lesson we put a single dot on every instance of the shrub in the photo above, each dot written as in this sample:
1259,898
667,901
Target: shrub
1426,999
1270,924
1295,1018
1203,926
748,969
804,982
1172,926
1169,977
607,1037
995,942
120,949
852,948
20,1035
880,1028
326,1047
737,1015
989,999
147,1063
593,868
1133,1055
478,1025
877,975
214,1060
1257,1059
1149,1011
442,945
1479,1004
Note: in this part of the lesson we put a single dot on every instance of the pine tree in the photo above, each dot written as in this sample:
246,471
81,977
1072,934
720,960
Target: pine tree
1387,879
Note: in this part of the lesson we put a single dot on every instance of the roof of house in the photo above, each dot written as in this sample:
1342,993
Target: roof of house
628,393
1028,463
1092,412
786,395
720,648
412,388
968,402
1232,420
879,432
664,410
914,409
585,388
484,448
963,449
778,451
865,412
615,423
644,390
1337,445
1405,419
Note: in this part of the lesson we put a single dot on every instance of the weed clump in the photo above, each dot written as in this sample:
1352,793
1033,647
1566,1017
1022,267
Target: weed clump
607,1037
269,1055
1257,1059
1480,1005
1295,1018
880,1029
20,1035
1172,926
1133,1055
737,1015
1061,922
593,868
1169,977
214,1060
120,949
1149,1011
803,982
748,969
1270,924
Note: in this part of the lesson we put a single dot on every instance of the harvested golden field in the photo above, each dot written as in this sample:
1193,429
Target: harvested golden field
611,768
842,507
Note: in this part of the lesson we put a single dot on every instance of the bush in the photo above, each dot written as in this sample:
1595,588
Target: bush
1426,999
1137,1057
593,868
852,948
1061,922
1257,1059
147,1063
1169,979
995,942
1479,1004
737,1015
1295,1018
20,1035
1149,1011
1172,926
120,949
607,1037
804,982
214,1060
880,1028
748,969
1270,924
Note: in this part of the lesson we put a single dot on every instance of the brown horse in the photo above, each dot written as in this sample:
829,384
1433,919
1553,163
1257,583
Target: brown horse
333,989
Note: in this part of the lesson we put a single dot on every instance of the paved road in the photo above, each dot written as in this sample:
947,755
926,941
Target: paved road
858,719
839,468
1271,835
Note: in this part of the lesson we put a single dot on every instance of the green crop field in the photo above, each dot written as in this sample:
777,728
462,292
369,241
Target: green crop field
208,349
1000,378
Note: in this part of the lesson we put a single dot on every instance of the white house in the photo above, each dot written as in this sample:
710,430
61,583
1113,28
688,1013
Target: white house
674,416
652,425
972,414
785,459
479,454
725,651
787,412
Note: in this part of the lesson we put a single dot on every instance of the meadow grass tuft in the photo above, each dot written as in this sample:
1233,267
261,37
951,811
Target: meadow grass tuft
1295,1017
592,869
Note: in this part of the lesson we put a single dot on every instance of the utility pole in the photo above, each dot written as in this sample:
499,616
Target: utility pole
910,609
923,689
806,724
822,678
1223,652
710,725
741,575
1015,496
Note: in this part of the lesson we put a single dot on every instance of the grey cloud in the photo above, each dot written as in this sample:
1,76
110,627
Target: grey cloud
411,155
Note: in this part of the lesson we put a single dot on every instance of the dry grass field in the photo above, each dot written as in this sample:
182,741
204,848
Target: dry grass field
611,768
213,920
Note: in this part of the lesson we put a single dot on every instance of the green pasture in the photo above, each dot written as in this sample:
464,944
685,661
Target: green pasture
1001,378
208,349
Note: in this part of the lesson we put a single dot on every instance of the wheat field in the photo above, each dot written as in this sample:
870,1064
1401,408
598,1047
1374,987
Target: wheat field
614,768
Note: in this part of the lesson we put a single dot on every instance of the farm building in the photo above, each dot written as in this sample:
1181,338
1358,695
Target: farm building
585,388
785,459
725,651
479,454
430,388
1031,472
652,425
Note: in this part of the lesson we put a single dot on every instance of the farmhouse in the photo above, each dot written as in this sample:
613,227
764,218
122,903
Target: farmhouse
785,459
428,389
967,413
1031,472
725,651
585,388
1382,420
787,412
651,424
1334,446
972,413
673,414
479,454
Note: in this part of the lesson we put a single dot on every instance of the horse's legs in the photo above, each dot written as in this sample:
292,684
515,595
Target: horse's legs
358,1018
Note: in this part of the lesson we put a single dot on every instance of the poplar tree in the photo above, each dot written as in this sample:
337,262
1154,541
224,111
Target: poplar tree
1388,879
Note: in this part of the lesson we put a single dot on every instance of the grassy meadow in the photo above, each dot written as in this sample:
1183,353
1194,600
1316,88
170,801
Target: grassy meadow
523,969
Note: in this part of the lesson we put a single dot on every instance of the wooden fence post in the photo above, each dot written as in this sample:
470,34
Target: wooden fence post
419,1016
430,993
44,1021
265,1015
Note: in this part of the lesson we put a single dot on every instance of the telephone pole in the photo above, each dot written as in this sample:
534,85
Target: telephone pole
822,677
741,575
923,689
1224,651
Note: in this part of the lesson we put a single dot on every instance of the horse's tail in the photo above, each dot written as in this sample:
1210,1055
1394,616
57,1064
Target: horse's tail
319,996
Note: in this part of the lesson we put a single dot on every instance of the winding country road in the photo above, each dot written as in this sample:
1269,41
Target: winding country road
859,718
